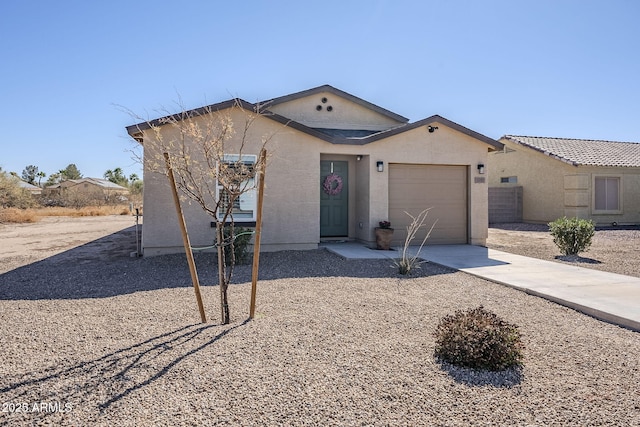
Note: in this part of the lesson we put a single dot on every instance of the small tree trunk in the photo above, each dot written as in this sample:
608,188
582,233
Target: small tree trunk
222,279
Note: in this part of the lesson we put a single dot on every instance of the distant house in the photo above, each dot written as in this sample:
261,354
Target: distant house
33,189
90,187
339,166
598,180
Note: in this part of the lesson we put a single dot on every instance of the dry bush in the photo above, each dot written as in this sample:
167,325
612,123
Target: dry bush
478,339
18,216
85,211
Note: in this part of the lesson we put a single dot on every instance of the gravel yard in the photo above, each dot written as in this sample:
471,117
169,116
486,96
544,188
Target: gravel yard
613,249
90,336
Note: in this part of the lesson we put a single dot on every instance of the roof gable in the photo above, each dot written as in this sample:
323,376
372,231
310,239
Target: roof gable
315,105
428,122
99,182
583,152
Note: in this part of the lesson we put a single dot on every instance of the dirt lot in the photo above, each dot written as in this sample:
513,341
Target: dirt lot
613,249
99,237
103,339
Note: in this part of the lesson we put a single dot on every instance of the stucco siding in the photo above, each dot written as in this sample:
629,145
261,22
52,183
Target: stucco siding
291,212
553,188
542,180
443,147
335,113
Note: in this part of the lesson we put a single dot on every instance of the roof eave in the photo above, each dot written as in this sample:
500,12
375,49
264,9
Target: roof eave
492,143
137,130
539,150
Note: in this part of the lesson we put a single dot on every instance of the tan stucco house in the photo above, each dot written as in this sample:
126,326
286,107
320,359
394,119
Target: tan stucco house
385,166
88,187
598,180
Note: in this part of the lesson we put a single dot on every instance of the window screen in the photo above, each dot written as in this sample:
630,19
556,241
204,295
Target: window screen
607,193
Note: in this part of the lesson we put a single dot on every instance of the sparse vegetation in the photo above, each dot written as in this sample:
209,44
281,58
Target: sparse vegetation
572,235
478,339
240,253
12,195
407,262
212,162
19,216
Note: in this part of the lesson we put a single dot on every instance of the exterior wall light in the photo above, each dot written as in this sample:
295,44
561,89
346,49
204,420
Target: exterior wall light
480,168
380,166
359,157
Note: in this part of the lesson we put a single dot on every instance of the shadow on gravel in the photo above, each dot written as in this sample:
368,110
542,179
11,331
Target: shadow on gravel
520,226
103,268
577,259
500,379
523,226
117,374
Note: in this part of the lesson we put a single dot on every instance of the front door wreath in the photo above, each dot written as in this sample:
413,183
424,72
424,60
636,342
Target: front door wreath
332,184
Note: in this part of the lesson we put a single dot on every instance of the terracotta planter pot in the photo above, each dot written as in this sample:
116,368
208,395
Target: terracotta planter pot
383,238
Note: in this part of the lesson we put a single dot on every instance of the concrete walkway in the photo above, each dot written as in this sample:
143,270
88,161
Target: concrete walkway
611,297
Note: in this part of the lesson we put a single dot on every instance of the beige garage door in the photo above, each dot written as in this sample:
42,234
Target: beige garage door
413,188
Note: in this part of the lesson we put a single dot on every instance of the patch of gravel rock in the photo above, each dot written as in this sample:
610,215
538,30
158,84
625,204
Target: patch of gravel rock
613,249
334,342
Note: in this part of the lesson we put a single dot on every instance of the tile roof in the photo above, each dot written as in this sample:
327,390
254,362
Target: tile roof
585,152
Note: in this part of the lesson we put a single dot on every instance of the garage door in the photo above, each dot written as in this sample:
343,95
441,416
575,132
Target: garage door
413,188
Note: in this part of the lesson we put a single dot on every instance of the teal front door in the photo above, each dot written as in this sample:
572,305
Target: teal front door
334,199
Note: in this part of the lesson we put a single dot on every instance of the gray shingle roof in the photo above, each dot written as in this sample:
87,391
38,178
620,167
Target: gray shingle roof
28,186
585,152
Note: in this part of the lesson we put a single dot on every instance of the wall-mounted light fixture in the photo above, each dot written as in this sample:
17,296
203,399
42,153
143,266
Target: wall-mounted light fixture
359,157
380,166
480,168
432,129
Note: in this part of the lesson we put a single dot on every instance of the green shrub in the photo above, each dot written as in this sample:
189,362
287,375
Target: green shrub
478,339
572,235
240,245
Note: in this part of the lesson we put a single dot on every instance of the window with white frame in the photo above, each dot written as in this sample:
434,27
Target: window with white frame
606,194
244,205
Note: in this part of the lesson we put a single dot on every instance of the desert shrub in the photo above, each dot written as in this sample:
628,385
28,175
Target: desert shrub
572,235
12,195
478,339
18,216
240,245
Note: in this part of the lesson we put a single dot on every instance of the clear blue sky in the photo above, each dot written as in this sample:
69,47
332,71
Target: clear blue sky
564,68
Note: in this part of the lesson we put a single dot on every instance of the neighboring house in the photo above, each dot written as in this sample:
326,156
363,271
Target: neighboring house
386,166
90,187
32,189
598,180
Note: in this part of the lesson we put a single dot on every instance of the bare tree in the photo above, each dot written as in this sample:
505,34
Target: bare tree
214,163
